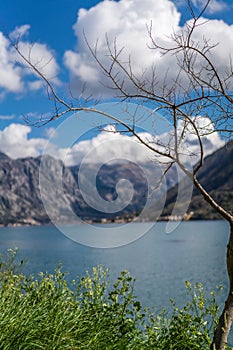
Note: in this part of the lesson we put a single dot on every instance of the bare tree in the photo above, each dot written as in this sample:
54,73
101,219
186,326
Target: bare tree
198,88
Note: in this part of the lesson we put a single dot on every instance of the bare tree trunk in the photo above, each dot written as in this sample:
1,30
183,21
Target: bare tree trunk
225,321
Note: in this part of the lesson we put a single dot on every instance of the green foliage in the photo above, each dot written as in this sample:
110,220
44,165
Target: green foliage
188,328
45,313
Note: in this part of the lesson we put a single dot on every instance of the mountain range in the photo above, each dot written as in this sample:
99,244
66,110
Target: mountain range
22,202
25,186
216,176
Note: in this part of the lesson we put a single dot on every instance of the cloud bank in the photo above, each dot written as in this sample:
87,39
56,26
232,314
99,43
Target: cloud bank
13,70
107,146
124,24
15,142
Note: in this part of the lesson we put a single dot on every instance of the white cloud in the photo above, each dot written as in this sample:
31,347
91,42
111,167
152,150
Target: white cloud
124,22
7,117
15,143
50,132
220,33
35,85
40,56
108,145
19,32
211,140
213,7
12,74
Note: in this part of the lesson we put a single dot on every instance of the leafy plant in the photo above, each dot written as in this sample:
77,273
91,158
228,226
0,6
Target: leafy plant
46,313
188,328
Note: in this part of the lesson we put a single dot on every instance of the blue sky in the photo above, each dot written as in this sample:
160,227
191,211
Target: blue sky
55,29
51,24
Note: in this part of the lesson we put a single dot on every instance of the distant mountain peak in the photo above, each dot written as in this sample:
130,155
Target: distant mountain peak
4,156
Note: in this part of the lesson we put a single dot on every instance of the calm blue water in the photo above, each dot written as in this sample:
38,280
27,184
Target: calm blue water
161,263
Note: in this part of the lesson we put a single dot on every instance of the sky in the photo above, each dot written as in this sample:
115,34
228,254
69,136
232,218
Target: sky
52,31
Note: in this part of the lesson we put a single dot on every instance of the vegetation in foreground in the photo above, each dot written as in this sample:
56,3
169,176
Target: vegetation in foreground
45,313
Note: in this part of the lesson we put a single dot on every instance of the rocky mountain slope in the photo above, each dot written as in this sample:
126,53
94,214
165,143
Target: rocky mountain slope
216,176
21,190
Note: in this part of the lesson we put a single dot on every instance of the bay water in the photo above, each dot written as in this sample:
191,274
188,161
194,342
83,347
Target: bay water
161,262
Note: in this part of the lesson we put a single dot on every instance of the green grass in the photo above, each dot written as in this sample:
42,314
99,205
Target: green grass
45,313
